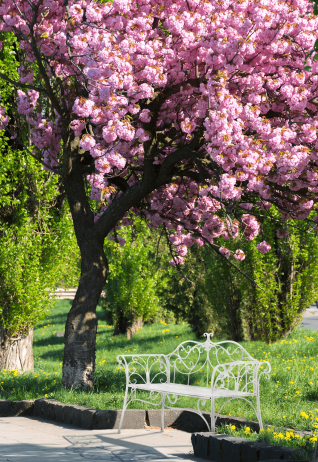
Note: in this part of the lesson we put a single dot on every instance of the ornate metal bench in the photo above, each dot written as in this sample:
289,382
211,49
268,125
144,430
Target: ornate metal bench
227,369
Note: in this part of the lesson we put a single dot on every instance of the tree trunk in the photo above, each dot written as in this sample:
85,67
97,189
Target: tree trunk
16,353
81,324
126,326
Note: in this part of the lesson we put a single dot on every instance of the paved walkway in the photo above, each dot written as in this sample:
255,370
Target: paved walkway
310,320
26,439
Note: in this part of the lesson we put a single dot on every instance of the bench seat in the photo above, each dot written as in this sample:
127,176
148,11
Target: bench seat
189,390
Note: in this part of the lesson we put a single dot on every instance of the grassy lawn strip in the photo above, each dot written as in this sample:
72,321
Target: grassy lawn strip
289,398
270,436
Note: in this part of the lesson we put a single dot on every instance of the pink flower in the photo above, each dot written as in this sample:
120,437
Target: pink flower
239,254
109,133
176,261
78,126
225,252
144,116
3,118
175,239
124,130
182,250
87,142
142,135
246,205
115,159
187,125
83,107
263,247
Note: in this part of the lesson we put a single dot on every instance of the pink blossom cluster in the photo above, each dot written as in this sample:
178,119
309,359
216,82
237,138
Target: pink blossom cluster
211,96
264,247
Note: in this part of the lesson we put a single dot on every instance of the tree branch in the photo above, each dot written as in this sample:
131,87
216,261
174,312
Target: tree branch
22,85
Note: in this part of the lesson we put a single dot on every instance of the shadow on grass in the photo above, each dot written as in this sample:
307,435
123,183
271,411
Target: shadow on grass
146,345
310,395
115,382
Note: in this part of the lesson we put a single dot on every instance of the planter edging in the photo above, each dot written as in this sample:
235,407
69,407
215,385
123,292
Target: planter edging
90,418
224,448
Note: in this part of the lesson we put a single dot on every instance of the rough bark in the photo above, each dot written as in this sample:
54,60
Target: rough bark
81,324
16,353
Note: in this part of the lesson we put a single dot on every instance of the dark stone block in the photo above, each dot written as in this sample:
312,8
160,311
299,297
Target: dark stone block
249,451
133,419
68,414
231,448
22,408
88,418
81,416
39,405
210,446
267,452
45,408
5,407
201,445
215,443
105,420
59,411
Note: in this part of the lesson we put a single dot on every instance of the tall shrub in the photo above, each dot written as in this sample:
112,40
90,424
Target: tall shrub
288,275
135,279
37,243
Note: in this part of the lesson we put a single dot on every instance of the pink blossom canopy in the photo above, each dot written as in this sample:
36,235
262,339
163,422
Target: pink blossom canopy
208,98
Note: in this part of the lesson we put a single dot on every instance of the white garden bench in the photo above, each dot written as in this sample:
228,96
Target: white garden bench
205,371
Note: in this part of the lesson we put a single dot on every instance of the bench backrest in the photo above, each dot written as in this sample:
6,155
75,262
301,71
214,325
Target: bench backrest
192,362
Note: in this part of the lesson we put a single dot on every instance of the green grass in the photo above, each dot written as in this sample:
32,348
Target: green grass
289,398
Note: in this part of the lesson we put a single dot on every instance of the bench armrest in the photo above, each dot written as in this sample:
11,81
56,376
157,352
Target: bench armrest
145,368
243,376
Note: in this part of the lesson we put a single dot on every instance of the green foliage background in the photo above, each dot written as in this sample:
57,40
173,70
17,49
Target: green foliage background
137,278
37,244
217,298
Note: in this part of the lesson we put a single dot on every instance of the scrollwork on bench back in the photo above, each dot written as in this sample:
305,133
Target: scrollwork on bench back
227,364
144,368
192,363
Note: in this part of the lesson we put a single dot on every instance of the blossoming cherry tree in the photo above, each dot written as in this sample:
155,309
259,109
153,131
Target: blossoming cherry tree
196,114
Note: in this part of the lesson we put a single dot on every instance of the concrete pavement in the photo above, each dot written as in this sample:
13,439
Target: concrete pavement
27,439
310,320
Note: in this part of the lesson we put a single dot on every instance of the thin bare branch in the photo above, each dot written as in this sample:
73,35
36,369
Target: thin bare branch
22,85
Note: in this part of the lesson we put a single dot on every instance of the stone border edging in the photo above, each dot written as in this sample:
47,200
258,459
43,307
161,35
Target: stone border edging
90,418
224,448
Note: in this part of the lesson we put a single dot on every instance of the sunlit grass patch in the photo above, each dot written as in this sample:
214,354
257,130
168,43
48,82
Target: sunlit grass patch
289,398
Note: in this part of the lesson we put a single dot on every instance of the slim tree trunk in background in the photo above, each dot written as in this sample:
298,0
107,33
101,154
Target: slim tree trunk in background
16,353
126,326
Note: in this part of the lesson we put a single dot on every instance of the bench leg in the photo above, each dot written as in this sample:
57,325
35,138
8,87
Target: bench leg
163,399
212,415
123,411
259,415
